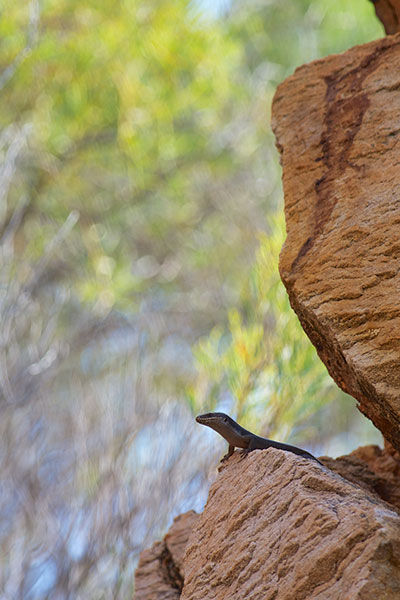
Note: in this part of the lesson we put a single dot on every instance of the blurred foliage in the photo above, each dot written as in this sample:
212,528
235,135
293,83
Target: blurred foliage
279,36
138,178
274,376
133,127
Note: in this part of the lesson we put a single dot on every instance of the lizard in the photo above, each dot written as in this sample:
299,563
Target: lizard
238,437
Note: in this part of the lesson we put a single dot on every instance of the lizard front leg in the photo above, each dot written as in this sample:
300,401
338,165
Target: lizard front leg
228,454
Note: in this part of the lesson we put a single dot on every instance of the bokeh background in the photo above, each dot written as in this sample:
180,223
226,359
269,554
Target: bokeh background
141,218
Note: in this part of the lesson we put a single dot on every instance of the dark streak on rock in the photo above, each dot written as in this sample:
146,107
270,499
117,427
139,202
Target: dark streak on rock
386,13
170,571
346,106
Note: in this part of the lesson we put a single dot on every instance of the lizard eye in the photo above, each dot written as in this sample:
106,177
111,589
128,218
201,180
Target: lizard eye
225,419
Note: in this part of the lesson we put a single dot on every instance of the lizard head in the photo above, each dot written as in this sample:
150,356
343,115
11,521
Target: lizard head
213,417
224,425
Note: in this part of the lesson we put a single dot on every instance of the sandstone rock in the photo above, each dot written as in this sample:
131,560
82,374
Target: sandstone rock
159,575
388,11
277,526
372,468
336,123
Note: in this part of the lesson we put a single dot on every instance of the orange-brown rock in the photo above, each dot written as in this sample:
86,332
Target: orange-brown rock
388,12
372,468
159,575
336,123
277,526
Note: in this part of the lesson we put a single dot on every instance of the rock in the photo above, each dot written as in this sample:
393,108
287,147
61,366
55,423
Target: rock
336,123
159,575
388,12
277,526
372,468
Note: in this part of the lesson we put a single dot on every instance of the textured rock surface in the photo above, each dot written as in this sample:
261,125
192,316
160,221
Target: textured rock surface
337,127
372,468
388,11
159,575
280,527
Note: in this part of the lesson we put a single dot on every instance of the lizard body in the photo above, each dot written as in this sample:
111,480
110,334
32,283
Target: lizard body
238,437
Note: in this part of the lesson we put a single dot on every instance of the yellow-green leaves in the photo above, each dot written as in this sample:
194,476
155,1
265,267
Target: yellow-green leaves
264,360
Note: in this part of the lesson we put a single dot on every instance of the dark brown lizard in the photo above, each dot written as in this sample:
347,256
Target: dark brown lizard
238,437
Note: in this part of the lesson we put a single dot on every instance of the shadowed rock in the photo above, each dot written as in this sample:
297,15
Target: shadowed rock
388,12
159,575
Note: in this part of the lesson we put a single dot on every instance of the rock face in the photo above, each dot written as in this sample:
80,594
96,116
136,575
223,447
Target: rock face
388,11
280,527
159,574
372,468
336,123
